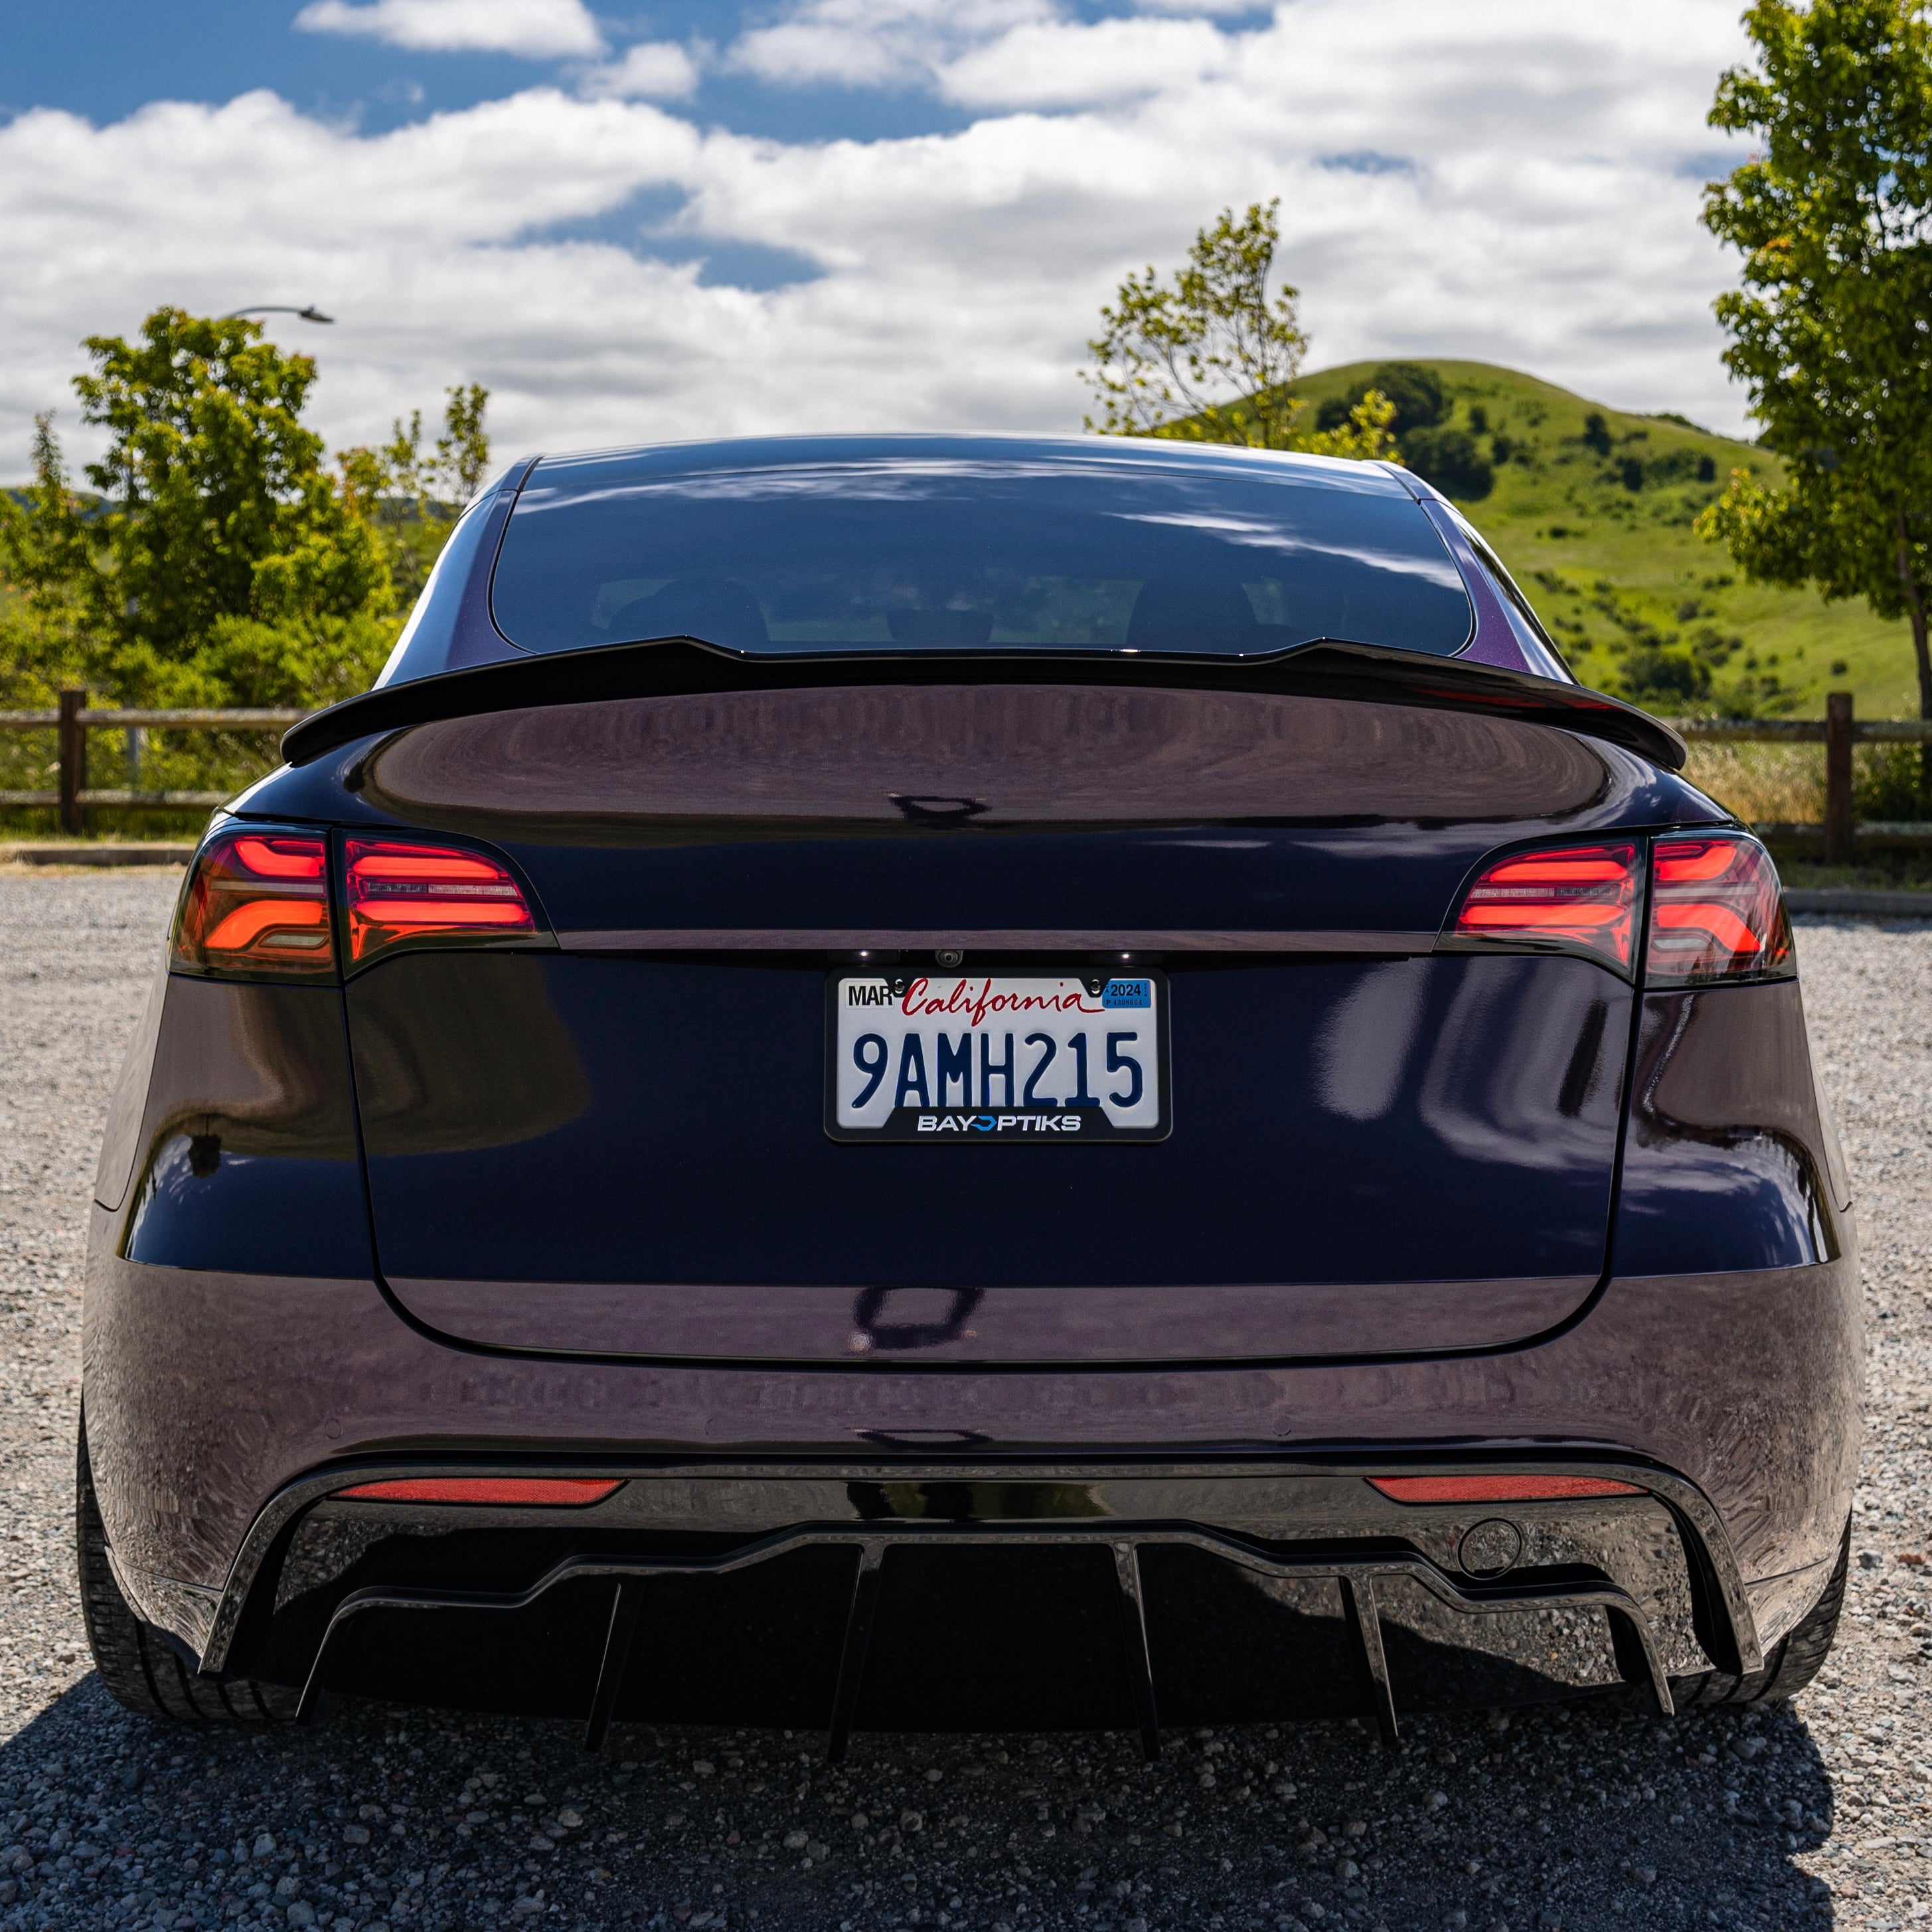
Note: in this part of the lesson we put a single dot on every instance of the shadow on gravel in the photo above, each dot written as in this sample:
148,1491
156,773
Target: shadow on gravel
1585,1815
1581,1816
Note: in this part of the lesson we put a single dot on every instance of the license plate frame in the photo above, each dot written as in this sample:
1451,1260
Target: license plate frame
965,993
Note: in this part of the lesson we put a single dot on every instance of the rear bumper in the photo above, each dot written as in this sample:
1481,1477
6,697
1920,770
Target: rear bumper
208,1394
1281,1587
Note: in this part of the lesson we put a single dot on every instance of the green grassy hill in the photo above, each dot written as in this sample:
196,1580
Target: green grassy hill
1597,528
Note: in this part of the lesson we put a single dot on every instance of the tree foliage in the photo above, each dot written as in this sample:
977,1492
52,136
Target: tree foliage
217,560
1212,357
1450,459
1363,434
1831,330
44,563
214,510
1416,394
413,496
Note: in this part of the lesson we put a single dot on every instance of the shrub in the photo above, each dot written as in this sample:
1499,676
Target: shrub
1450,459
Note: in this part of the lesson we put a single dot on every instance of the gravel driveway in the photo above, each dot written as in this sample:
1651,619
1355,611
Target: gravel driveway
1813,1813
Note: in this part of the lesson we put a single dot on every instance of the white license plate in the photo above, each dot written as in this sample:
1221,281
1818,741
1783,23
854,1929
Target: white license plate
961,1059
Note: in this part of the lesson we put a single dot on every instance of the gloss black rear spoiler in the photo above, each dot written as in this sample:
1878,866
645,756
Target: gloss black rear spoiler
678,667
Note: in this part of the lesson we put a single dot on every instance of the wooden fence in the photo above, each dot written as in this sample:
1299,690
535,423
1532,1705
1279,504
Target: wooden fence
74,796
1837,731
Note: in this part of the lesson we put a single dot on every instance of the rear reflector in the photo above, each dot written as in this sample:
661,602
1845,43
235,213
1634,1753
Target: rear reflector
428,895
1561,898
576,1490
1498,1489
1717,912
256,905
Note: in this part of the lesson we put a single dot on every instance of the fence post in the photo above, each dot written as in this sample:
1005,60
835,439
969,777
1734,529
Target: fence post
1838,778
73,761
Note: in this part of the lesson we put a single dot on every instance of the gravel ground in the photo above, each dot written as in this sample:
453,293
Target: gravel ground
1812,1813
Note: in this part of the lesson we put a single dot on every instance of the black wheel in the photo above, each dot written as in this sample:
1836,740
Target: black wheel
136,1662
1792,1663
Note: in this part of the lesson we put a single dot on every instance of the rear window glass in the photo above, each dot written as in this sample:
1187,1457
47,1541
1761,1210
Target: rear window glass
895,550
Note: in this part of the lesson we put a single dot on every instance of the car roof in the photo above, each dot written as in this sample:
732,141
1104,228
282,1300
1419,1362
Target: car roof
963,453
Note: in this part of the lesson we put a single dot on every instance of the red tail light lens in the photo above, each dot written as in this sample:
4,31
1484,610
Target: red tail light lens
412,894
1498,1489
569,1490
1717,912
257,905
1562,898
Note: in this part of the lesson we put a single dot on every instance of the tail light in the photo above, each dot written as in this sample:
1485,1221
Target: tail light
1561,898
256,905
407,894
1498,1489
1717,912
573,1491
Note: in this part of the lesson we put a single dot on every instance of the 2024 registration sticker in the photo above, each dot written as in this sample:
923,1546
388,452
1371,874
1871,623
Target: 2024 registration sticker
960,1058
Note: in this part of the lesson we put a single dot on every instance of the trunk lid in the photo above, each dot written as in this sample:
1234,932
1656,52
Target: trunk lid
620,1147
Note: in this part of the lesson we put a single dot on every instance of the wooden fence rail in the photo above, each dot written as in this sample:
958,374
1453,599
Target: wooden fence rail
73,720
1837,731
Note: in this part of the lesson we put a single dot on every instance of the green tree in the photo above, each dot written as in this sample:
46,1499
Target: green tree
1212,357
1416,392
42,561
1367,432
413,496
1449,458
1832,329
216,532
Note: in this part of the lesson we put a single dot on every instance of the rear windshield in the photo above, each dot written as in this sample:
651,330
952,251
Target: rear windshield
898,550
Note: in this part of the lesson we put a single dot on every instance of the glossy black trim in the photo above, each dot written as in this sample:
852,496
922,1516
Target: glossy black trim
1721,1613
1638,1660
682,666
1094,947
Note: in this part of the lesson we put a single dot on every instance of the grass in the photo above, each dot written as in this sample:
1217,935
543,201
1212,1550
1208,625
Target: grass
1779,785
1625,583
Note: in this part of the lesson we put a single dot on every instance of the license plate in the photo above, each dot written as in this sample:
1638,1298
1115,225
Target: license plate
964,1059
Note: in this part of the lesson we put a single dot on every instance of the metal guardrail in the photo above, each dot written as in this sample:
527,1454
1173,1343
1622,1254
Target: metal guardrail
1837,731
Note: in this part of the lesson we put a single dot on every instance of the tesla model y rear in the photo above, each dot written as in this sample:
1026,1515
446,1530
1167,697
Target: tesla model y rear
947,1082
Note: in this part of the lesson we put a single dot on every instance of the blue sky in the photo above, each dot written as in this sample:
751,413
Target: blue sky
691,219
105,59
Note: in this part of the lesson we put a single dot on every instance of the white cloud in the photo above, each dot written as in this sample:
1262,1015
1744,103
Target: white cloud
538,29
1216,7
651,71
1058,64
877,43
1503,181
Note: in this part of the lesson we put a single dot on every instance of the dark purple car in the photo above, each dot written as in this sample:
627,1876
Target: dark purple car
938,1083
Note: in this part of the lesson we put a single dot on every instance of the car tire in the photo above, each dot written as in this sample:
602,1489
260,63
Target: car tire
1792,1664
139,1666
